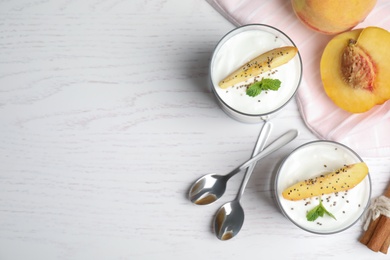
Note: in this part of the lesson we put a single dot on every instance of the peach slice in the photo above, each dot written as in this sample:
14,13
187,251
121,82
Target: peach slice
342,179
262,63
354,69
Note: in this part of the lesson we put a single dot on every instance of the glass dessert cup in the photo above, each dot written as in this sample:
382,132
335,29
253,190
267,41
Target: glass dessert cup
311,160
237,48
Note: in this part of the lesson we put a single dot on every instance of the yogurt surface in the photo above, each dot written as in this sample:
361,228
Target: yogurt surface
312,160
238,49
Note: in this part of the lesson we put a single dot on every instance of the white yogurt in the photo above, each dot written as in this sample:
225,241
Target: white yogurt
309,161
241,46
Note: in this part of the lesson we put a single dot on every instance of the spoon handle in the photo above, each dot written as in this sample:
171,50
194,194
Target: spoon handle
261,141
275,145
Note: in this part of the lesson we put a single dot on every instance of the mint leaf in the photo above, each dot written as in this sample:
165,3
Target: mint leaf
271,84
265,84
254,89
318,211
329,214
312,214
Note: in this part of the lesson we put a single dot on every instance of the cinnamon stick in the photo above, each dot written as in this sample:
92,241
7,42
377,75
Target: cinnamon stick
365,238
385,245
377,236
387,192
382,231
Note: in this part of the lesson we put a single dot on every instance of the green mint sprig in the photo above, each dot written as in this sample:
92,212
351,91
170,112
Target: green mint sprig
264,84
318,211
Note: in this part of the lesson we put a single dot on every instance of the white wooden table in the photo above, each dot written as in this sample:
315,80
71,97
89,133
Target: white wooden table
107,119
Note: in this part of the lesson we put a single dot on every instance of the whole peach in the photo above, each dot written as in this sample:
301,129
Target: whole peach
332,16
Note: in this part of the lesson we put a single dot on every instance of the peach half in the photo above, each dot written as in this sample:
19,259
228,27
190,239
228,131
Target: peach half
355,69
332,16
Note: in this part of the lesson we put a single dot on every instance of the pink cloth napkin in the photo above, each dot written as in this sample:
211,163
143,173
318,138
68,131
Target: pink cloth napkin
367,133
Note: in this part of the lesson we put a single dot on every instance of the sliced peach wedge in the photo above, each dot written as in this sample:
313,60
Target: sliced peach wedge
355,69
262,63
341,179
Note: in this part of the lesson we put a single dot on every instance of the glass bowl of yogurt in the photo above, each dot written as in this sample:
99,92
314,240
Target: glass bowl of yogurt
307,162
238,47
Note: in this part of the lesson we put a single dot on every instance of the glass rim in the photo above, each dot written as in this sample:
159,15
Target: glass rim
228,36
276,191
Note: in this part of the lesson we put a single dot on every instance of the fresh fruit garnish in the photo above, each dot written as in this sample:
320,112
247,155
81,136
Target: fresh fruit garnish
354,69
262,63
332,16
342,179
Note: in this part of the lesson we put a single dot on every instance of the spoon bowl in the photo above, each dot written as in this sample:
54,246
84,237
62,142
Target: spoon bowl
229,220
230,217
209,188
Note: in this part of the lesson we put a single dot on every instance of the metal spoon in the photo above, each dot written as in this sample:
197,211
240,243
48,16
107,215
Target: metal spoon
230,217
209,188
